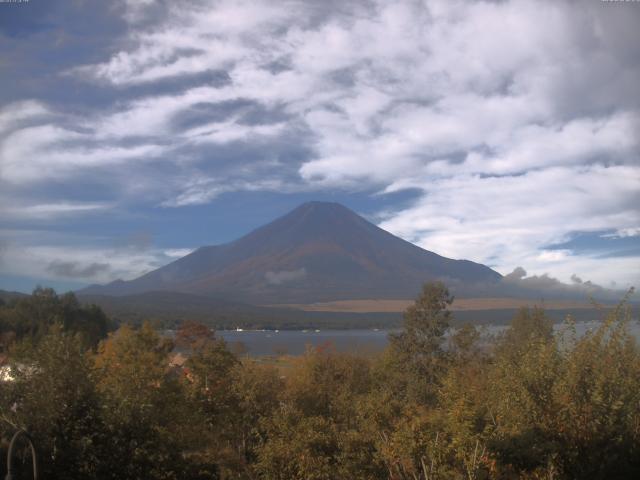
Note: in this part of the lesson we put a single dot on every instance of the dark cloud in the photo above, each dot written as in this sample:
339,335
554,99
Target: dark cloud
173,85
76,270
201,113
545,286
517,274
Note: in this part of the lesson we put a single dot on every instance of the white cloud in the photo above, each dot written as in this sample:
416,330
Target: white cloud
204,189
178,252
624,233
284,276
195,39
508,221
47,151
550,256
231,131
52,210
517,121
14,114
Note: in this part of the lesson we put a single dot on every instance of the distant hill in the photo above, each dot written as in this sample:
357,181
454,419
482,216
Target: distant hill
171,308
7,296
318,252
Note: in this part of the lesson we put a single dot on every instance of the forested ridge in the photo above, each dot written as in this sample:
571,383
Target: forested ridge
107,403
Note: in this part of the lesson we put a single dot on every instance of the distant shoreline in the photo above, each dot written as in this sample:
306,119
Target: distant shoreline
397,306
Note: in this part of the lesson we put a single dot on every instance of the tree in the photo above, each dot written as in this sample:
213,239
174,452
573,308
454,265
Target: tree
526,365
194,335
151,423
257,392
320,430
464,342
32,317
415,355
597,422
529,328
208,383
55,400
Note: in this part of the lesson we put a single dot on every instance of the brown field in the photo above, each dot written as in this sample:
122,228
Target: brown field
462,304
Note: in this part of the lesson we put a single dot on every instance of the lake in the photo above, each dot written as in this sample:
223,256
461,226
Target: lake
294,342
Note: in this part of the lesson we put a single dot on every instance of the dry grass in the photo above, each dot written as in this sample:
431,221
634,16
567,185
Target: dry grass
462,304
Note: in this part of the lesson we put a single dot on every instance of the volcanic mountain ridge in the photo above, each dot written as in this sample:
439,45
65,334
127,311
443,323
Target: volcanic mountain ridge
318,252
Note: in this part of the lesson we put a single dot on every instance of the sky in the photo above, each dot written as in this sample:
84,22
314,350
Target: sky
504,132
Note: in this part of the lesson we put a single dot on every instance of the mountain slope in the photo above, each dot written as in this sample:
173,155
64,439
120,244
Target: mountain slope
319,251
6,296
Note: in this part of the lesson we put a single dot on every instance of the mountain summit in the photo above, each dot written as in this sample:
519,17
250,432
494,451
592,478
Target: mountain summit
319,251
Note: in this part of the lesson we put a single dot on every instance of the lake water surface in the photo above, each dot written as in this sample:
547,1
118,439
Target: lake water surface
294,342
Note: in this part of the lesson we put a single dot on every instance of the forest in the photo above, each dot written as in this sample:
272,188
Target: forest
105,401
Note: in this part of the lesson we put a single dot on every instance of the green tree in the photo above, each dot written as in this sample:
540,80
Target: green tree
526,365
597,422
416,355
31,317
54,398
563,406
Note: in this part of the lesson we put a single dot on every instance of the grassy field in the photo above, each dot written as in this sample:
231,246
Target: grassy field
462,304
